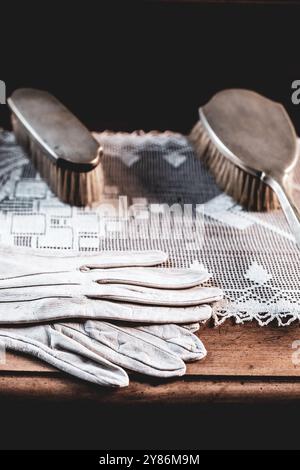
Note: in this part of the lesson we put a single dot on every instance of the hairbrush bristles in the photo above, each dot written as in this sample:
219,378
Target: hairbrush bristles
75,188
59,146
246,189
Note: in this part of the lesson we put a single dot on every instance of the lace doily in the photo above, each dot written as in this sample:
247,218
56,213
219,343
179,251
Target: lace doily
252,256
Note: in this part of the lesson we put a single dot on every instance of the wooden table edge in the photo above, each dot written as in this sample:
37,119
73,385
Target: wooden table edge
187,390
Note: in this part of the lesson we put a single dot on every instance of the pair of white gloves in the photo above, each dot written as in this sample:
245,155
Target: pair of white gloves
94,316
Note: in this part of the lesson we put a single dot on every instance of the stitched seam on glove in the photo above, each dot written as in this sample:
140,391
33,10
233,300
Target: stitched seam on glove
126,334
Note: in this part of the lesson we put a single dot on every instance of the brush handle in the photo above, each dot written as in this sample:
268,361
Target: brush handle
288,206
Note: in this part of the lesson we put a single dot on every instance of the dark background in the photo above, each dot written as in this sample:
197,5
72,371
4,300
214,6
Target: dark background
130,65
54,425
125,66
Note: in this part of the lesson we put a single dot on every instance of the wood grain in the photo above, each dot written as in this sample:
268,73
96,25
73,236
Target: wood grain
248,350
179,391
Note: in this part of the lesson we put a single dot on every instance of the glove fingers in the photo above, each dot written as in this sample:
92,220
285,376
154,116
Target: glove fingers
126,258
33,261
125,348
148,296
54,348
128,294
156,278
64,308
179,340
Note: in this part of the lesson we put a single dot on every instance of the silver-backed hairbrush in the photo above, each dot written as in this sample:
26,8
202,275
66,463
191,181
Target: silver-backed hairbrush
61,148
250,145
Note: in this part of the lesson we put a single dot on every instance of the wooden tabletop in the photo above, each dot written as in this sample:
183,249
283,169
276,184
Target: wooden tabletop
244,363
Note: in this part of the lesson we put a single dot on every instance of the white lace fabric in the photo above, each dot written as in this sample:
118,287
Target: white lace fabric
253,256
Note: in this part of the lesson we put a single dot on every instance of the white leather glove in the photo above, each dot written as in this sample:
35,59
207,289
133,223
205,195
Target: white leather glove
98,351
35,288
